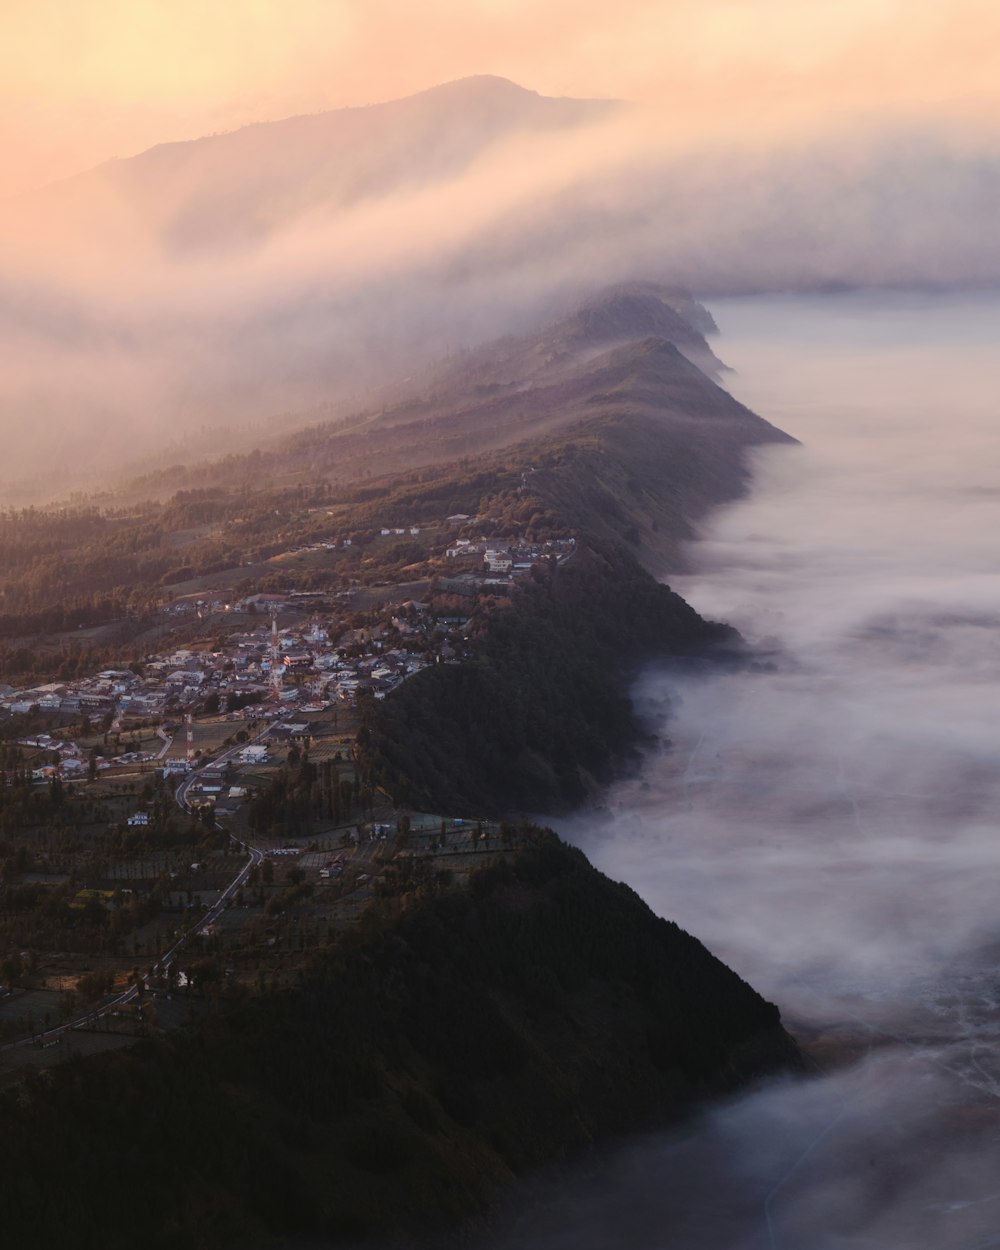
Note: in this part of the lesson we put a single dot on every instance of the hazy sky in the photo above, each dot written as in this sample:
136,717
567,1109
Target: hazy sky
85,80
771,145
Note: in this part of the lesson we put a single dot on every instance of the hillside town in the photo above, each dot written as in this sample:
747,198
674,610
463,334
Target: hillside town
299,653
264,672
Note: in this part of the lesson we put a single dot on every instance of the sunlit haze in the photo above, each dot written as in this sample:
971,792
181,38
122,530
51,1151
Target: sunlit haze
157,280
366,366
90,81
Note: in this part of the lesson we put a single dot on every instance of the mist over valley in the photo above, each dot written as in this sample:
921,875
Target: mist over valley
827,821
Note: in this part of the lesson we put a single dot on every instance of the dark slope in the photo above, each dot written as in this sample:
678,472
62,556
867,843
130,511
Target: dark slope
662,446
541,717
628,446
455,1041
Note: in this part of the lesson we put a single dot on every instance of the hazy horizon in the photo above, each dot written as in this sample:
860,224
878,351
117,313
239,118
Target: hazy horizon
242,278
97,82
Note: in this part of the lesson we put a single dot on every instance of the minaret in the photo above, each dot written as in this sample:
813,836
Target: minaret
275,659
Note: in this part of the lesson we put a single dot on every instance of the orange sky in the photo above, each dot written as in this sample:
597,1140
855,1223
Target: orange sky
85,80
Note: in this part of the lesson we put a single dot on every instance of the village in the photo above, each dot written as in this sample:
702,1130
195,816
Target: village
214,816
329,647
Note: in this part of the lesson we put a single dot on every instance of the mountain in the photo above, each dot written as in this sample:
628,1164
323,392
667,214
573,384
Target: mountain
626,376
244,278
465,1028
229,191
456,1040
239,278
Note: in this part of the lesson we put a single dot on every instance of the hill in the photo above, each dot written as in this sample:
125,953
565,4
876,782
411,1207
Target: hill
455,1040
232,190
632,357
460,1032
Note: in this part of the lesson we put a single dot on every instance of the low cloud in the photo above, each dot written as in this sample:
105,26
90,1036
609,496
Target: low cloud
826,824
160,292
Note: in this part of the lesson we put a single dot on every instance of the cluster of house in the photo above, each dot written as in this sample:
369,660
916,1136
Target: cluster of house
316,670
66,760
260,672
92,696
512,559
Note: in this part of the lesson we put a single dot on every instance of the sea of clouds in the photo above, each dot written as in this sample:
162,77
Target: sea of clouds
829,822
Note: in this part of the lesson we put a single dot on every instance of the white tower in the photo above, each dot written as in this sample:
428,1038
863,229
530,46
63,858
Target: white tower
276,666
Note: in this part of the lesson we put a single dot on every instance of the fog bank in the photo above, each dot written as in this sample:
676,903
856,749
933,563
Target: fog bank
248,275
828,824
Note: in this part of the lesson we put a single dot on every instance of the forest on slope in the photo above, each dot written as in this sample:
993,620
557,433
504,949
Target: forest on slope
540,716
445,1046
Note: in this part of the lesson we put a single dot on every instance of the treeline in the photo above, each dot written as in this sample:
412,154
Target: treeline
540,714
61,569
304,795
67,661
429,1054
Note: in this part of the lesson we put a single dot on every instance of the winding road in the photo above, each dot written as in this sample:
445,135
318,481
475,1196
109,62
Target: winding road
255,855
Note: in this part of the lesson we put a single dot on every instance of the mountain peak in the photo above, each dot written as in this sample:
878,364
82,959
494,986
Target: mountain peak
232,190
479,84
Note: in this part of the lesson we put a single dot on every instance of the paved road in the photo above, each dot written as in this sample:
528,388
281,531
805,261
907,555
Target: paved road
168,742
163,963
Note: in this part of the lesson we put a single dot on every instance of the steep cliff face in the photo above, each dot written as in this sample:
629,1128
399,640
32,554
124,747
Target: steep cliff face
628,444
455,1041
537,721
656,446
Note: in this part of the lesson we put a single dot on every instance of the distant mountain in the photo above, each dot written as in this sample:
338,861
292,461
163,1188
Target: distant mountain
230,190
239,278
215,283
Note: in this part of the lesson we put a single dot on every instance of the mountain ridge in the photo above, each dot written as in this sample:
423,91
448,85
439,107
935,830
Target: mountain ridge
235,188
584,365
